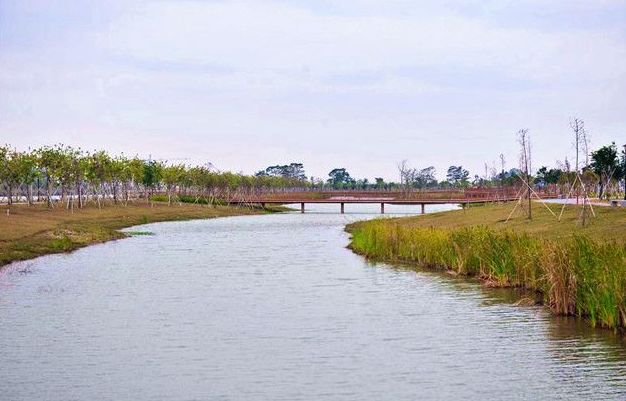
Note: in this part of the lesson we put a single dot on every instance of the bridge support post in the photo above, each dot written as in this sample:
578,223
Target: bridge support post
342,208
302,207
382,208
262,205
423,208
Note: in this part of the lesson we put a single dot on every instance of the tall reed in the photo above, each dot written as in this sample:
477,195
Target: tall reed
575,275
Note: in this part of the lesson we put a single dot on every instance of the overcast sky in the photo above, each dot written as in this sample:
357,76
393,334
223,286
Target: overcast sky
360,84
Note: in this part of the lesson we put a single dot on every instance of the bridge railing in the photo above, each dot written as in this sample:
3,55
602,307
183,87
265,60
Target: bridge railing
492,194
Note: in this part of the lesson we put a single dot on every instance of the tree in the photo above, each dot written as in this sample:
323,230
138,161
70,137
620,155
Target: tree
405,175
49,161
425,178
526,165
623,169
26,164
172,176
296,171
581,144
151,176
99,172
119,176
547,177
478,181
457,176
293,171
340,178
125,175
70,172
10,171
4,167
581,141
605,164
541,176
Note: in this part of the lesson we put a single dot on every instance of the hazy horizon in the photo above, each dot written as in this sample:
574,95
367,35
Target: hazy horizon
352,84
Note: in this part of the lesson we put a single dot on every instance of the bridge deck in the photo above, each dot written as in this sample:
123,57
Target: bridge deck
379,200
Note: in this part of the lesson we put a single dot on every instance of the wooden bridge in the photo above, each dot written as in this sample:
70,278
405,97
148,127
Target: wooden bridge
342,201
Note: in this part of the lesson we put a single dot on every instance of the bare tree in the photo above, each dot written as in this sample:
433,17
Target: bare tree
578,126
502,164
404,171
581,145
526,164
493,172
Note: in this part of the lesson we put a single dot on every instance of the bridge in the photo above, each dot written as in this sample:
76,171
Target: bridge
423,203
341,199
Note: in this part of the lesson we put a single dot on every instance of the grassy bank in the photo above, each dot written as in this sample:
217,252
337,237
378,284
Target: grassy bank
30,231
576,270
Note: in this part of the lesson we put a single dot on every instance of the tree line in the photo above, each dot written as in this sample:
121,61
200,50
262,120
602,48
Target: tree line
70,175
73,176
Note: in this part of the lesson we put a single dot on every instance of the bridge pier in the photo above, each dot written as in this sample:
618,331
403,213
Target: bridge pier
342,208
302,207
382,208
262,205
423,208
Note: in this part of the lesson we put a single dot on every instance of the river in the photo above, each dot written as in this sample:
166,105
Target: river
274,307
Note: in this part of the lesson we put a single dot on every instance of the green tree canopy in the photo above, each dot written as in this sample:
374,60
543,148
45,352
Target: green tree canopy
605,163
457,176
340,178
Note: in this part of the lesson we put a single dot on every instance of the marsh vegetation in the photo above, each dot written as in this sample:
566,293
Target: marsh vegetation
576,270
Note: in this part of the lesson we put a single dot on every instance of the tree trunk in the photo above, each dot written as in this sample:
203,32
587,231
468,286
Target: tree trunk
601,189
528,194
29,194
48,194
79,194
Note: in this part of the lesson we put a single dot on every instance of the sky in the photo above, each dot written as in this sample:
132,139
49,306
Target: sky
360,84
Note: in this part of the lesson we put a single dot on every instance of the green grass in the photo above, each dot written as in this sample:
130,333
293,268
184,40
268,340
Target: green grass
139,233
62,244
576,270
187,199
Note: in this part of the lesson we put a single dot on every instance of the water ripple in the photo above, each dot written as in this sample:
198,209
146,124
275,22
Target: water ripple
275,308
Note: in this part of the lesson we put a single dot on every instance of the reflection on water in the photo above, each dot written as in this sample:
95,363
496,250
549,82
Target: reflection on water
275,308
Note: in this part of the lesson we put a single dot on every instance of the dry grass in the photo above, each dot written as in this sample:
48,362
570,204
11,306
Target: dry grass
30,231
610,223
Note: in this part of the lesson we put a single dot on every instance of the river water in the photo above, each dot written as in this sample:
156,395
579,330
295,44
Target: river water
275,307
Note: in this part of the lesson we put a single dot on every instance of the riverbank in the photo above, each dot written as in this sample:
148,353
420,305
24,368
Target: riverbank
30,231
575,270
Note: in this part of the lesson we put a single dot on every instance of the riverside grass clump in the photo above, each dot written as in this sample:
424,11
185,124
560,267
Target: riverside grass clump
574,275
187,199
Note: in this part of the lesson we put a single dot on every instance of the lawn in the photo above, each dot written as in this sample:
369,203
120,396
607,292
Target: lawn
608,225
30,231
